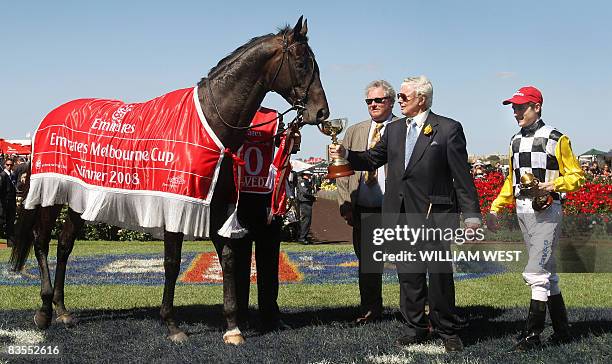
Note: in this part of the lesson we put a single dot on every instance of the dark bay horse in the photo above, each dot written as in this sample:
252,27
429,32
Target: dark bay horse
229,97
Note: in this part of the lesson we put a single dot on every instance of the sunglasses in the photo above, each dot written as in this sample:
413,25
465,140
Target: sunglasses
403,97
8,164
378,100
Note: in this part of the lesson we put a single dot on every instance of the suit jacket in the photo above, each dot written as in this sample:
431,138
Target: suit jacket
305,190
355,138
436,174
7,193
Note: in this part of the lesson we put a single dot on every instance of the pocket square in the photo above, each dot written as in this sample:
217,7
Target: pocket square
434,143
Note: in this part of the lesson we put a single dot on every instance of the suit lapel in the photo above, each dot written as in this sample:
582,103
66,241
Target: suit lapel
361,143
399,138
423,141
362,134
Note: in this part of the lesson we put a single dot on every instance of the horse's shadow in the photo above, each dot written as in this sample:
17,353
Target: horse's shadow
484,322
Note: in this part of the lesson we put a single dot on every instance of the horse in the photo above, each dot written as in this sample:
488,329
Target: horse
229,97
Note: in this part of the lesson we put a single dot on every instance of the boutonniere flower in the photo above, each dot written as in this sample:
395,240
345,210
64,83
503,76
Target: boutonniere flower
427,129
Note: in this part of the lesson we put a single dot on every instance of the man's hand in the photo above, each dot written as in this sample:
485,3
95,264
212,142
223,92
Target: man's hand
336,151
492,222
546,186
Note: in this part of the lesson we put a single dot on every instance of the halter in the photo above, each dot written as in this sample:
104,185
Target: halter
297,104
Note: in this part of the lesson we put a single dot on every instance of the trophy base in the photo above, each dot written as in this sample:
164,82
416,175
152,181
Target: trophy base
334,171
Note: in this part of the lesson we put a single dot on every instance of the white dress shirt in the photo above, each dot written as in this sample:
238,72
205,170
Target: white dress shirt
372,195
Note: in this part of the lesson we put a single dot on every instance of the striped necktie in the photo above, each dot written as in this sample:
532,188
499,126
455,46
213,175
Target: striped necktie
371,177
411,138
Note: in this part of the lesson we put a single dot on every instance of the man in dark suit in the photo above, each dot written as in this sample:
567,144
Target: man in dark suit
429,183
306,197
362,193
8,203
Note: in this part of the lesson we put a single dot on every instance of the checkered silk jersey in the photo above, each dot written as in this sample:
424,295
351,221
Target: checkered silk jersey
533,151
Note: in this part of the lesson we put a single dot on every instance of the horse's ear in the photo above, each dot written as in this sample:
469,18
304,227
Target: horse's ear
304,28
297,29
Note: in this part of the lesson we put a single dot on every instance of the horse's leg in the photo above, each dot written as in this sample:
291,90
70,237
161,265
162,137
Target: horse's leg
218,214
44,225
173,243
227,258
71,228
242,276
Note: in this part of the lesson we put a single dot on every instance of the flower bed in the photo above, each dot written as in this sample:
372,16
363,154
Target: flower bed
587,210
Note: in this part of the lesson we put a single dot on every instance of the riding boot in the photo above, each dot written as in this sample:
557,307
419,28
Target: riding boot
558,316
530,337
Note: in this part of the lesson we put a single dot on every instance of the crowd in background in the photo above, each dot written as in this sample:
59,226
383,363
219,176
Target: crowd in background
594,170
591,169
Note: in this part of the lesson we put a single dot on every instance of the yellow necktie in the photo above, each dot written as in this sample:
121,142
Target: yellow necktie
372,177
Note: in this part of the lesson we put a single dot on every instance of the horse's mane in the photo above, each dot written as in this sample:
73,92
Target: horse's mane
232,57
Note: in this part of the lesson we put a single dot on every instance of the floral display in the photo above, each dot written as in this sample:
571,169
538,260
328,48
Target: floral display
587,210
595,197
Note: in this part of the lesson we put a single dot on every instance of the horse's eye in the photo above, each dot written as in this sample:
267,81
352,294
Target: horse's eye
300,62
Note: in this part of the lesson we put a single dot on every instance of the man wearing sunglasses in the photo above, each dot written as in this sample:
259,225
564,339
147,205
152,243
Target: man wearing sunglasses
8,201
363,191
428,183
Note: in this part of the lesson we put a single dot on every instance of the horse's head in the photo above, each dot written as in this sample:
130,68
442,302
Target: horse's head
295,74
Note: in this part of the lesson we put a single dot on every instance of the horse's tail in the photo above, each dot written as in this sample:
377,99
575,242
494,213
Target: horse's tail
24,233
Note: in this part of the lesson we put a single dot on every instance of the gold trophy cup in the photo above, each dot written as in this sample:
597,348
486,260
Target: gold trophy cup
529,185
339,166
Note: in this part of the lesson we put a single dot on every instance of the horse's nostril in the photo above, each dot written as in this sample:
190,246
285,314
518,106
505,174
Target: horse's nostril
322,114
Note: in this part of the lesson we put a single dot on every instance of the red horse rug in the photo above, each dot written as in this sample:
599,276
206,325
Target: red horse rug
148,166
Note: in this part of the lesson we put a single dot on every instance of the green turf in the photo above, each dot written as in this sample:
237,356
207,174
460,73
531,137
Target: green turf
85,248
505,290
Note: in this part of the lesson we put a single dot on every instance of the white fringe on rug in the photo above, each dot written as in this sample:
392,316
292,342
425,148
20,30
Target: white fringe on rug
148,211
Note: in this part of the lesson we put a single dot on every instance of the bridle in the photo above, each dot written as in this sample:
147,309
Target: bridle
297,103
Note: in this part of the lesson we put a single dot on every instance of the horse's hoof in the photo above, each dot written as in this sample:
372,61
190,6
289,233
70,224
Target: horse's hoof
42,320
236,339
233,337
178,338
67,319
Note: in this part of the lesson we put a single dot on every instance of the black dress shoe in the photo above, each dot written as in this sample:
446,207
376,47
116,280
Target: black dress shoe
410,340
453,344
558,339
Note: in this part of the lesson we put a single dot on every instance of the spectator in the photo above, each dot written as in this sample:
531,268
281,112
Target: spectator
305,198
586,168
8,202
595,171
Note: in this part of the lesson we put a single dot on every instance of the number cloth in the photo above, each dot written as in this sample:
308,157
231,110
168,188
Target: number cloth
257,176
